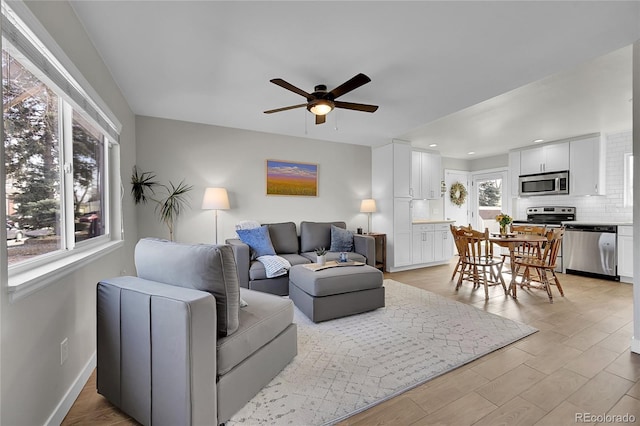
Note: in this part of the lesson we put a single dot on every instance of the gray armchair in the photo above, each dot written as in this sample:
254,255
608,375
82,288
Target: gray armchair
174,345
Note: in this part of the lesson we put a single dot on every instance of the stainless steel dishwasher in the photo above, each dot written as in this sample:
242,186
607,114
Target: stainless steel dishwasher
591,250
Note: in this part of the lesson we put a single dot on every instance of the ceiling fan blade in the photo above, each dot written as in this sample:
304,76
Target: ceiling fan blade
350,85
320,119
280,82
356,107
271,111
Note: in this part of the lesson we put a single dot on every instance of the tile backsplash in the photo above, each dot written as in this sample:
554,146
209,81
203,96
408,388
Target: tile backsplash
428,209
607,208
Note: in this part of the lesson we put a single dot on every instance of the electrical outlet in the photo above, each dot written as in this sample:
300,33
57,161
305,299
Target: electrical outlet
64,350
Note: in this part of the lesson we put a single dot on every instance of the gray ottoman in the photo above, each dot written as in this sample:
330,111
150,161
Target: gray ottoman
336,292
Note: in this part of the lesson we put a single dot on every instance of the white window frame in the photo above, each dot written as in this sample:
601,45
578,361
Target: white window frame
29,276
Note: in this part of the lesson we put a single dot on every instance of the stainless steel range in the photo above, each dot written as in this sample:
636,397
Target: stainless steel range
551,217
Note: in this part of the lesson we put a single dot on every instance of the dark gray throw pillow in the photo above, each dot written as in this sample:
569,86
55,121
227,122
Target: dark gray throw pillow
341,239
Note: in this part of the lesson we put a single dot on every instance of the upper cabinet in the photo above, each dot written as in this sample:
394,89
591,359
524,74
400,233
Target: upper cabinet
583,156
586,169
426,175
401,170
514,172
543,159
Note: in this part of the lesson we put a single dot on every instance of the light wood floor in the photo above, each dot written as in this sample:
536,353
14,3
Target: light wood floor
579,362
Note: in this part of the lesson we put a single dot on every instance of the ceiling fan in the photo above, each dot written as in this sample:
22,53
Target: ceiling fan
321,102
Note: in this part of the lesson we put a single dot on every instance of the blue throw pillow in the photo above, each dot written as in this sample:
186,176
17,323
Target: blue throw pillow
258,239
341,239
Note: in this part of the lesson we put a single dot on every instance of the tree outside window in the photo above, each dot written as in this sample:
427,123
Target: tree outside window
32,158
38,178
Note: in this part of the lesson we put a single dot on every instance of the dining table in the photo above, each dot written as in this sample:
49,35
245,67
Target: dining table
512,241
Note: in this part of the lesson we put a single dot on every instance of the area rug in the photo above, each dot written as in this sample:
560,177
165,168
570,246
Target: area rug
347,365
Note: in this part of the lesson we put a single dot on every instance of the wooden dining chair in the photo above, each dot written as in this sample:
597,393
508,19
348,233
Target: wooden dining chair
526,249
458,240
543,265
479,264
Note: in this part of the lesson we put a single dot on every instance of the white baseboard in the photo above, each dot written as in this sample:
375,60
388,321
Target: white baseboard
635,345
70,397
417,266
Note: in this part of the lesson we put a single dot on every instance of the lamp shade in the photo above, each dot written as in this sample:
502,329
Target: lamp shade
368,206
215,199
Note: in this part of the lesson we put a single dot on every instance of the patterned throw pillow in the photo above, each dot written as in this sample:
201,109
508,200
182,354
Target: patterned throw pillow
341,239
258,239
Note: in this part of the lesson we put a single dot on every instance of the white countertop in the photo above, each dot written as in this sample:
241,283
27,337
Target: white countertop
597,223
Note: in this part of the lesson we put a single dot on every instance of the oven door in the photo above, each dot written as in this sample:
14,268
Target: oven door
544,184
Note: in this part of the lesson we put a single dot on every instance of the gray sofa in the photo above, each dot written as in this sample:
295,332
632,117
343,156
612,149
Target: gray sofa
174,345
297,250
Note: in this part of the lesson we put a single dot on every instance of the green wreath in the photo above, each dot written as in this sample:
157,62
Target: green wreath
458,194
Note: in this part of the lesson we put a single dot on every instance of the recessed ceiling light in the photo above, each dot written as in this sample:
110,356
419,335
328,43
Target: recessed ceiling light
471,152
433,145
538,140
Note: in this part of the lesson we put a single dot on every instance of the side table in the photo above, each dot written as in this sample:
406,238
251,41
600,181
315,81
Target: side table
381,250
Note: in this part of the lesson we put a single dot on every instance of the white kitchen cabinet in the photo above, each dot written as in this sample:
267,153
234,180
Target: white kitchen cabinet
431,243
544,159
416,174
401,170
435,176
587,166
426,175
442,242
625,253
390,184
402,229
514,173
423,244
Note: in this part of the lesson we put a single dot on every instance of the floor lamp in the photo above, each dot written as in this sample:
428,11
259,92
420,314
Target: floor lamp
368,206
215,199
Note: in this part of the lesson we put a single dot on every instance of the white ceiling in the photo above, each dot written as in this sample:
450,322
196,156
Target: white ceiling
470,76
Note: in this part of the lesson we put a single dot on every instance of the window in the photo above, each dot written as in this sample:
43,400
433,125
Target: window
57,147
489,198
32,161
88,184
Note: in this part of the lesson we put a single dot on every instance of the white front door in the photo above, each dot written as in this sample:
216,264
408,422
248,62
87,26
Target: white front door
451,210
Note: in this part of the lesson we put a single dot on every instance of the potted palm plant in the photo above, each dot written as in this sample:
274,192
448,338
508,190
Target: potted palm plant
170,203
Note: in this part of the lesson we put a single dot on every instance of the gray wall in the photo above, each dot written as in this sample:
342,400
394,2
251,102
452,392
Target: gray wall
33,381
205,155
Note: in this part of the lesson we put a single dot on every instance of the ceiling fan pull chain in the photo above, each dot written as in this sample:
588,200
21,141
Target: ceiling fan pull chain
336,120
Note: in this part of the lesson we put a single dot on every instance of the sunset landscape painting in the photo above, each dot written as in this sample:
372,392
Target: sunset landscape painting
288,178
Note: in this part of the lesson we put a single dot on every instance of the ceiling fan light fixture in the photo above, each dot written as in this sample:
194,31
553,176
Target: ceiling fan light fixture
321,107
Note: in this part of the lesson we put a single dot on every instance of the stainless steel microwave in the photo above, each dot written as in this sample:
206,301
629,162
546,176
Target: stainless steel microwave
544,184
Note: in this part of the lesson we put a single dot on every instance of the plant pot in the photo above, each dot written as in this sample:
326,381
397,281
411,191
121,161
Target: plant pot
321,260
